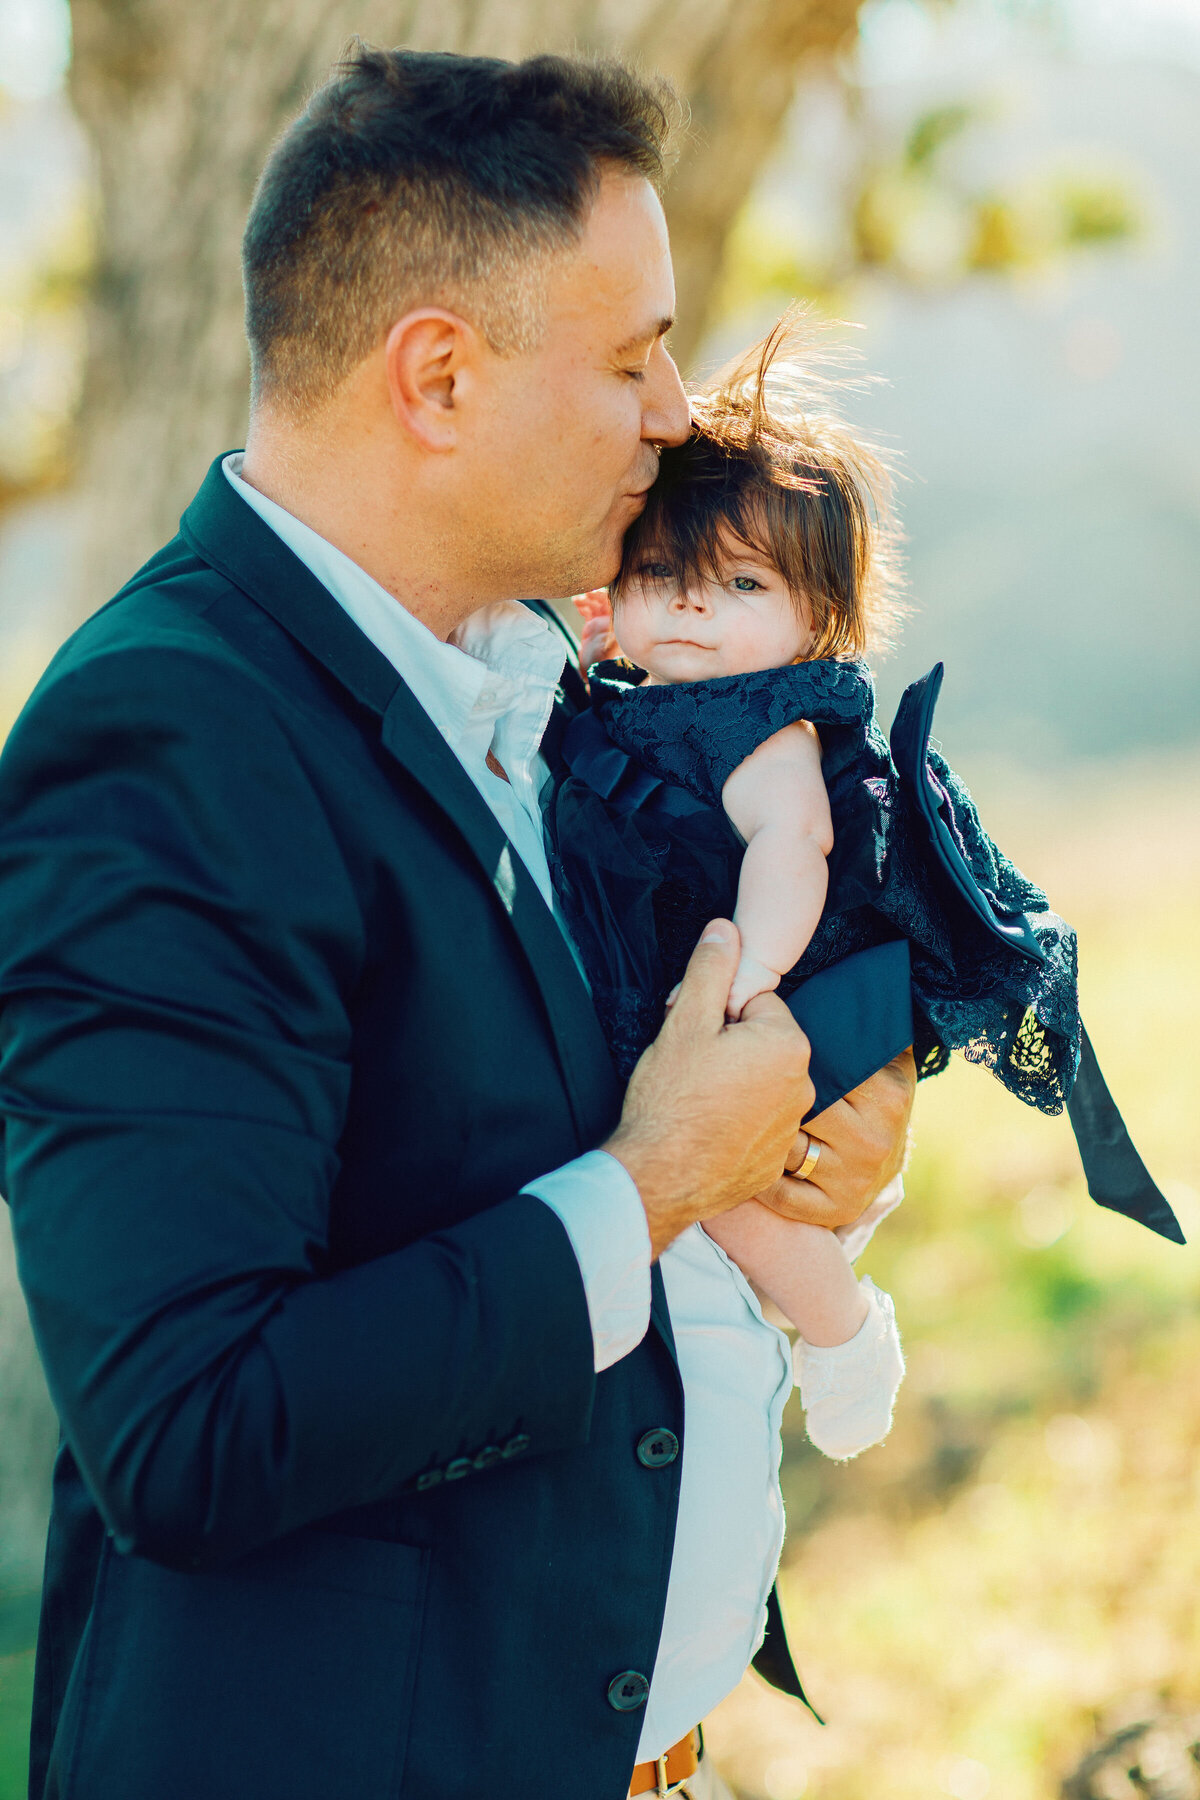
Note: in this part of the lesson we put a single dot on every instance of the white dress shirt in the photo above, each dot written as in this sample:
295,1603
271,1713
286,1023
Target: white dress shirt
492,688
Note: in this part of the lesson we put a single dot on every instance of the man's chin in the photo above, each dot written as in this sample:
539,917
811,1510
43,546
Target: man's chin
592,570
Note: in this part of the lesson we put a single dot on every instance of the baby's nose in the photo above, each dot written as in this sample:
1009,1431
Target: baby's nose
692,600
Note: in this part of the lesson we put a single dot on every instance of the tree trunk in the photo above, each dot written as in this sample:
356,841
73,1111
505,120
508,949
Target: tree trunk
182,102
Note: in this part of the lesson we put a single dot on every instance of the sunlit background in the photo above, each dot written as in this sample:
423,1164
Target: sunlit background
1005,198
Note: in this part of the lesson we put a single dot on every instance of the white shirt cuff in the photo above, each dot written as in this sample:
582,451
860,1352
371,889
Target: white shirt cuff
602,1212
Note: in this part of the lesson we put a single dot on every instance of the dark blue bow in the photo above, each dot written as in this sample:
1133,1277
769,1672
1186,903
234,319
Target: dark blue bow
856,1012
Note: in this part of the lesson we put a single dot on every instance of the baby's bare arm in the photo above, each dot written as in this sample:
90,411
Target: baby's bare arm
802,1268
777,802
847,1358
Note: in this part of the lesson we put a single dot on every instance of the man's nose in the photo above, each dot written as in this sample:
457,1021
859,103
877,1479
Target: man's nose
666,417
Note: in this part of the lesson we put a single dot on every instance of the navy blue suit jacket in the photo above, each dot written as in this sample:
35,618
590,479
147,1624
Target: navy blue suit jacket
342,1511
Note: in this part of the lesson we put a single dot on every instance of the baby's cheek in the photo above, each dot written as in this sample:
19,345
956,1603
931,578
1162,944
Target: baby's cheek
747,648
630,623
757,643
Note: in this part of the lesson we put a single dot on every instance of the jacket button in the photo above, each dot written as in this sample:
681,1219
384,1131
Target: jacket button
462,1465
429,1479
628,1691
516,1446
657,1448
491,1453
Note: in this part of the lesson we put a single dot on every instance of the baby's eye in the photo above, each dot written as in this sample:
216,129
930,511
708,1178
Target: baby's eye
656,571
745,584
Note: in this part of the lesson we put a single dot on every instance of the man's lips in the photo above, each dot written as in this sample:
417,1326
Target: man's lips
639,493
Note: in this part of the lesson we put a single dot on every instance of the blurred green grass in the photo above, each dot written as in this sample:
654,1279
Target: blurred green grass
16,1688
1020,1563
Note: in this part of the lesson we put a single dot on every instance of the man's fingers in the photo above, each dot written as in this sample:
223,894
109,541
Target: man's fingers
766,1006
889,1091
804,1201
824,1199
708,978
798,1154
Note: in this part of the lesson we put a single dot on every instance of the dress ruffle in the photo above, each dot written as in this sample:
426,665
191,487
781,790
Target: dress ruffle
644,856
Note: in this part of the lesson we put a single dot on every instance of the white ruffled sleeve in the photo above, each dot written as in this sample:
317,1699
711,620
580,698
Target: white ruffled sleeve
848,1390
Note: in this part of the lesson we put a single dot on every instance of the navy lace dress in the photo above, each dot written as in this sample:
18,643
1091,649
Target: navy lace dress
643,856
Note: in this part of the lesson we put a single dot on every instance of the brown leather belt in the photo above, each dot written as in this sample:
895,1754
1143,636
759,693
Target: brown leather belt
664,1774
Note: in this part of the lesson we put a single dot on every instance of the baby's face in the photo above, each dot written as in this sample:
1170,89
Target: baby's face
745,619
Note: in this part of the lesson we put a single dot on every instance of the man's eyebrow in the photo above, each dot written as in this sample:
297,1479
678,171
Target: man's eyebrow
644,337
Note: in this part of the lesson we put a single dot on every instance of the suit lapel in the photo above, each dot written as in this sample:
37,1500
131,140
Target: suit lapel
230,536
660,1316
411,737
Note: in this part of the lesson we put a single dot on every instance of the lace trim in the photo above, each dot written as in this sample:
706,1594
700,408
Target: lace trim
643,864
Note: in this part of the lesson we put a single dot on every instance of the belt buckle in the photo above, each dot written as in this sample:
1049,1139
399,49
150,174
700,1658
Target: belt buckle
664,1790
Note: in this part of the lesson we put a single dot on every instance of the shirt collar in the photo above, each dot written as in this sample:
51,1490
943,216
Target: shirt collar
499,658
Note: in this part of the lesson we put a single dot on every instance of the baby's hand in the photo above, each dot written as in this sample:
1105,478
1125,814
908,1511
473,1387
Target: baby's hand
599,641
752,978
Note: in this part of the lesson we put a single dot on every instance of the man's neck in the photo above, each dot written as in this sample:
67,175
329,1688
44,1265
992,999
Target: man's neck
337,489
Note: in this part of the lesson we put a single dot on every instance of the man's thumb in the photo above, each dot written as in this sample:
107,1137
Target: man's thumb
704,990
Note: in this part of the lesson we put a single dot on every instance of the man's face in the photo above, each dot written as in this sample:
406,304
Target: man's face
564,452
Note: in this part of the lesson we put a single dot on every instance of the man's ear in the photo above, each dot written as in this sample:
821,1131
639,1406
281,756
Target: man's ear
430,356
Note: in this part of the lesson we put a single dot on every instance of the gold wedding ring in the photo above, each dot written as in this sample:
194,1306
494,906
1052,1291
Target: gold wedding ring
811,1159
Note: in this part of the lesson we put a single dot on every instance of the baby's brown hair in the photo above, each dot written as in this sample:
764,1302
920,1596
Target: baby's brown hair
771,462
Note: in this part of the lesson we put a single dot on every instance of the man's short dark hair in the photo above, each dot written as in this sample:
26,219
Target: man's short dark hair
417,179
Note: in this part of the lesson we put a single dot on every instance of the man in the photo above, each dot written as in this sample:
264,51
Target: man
371,1405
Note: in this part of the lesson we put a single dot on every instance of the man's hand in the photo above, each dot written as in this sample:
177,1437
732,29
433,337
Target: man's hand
712,1109
863,1140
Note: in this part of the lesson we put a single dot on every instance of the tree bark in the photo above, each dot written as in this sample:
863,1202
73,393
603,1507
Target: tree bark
181,103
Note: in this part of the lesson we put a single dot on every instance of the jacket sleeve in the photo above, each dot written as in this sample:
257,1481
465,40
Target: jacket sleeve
174,1072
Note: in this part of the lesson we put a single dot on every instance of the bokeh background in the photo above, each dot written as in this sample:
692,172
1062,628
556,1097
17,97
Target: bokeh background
1004,196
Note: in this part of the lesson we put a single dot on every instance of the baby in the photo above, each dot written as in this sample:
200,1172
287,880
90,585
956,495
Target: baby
726,578
733,616
735,765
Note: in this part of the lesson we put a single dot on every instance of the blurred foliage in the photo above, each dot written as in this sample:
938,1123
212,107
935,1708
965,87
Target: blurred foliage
42,346
906,213
1015,1571
910,214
